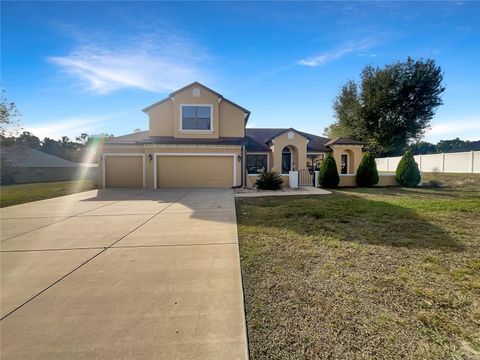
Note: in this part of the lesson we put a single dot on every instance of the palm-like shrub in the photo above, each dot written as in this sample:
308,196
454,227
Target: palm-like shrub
328,173
407,170
269,180
367,173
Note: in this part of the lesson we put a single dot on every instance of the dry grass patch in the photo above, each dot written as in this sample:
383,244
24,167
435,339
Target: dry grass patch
362,273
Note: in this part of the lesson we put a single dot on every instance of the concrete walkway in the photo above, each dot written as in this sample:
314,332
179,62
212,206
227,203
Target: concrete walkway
118,274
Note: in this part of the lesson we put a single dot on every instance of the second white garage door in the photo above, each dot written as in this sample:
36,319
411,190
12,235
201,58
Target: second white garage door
195,171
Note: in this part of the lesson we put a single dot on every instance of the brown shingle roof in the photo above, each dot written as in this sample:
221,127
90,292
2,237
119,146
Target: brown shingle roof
344,141
257,139
143,138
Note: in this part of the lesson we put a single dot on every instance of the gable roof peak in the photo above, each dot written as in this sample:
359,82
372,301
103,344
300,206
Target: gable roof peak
196,83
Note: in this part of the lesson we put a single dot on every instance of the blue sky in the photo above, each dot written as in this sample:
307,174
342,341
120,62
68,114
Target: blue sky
75,67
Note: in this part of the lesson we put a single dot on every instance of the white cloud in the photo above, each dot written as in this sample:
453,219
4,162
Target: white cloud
151,62
463,128
70,127
328,56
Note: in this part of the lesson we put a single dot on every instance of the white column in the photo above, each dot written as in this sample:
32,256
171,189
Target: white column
471,161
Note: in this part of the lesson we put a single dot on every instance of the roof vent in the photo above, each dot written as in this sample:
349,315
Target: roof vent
290,135
196,92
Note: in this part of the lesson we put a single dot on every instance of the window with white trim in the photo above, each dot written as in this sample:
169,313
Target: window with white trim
256,163
196,117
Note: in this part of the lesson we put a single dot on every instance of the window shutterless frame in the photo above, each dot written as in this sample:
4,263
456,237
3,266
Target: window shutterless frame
257,154
196,118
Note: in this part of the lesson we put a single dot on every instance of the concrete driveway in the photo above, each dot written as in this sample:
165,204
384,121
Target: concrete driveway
122,274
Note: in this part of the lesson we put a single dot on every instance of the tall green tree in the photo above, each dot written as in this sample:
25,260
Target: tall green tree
347,111
391,106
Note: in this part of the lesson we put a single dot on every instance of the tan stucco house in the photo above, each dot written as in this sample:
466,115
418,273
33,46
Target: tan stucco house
198,138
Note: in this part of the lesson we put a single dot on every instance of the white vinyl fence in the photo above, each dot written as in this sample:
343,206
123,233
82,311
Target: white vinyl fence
462,162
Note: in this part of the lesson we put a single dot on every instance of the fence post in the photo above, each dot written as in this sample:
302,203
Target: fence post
471,161
443,162
420,162
388,166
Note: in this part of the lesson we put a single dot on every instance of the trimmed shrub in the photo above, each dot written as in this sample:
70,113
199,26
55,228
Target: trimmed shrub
269,180
407,170
328,173
367,173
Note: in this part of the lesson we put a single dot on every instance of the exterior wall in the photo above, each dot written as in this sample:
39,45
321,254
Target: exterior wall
347,180
227,119
165,149
231,120
46,174
250,181
161,119
299,143
387,180
383,180
463,162
354,151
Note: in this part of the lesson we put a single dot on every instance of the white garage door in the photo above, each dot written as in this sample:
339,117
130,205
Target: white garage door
124,171
195,171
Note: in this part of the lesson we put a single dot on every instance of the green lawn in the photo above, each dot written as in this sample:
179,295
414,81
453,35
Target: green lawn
19,194
363,274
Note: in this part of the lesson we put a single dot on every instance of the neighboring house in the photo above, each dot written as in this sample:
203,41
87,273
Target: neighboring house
25,165
198,138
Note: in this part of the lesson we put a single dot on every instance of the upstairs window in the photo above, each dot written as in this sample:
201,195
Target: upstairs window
196,117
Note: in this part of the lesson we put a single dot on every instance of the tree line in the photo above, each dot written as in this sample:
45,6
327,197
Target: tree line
444,146
11,135
65,148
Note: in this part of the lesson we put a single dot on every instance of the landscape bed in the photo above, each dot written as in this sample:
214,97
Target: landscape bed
364,273
23,193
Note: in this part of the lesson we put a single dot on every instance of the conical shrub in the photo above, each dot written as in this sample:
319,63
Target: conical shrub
328,173
367,173
407,170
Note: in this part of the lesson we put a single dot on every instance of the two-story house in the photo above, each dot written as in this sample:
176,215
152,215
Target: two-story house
198,138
